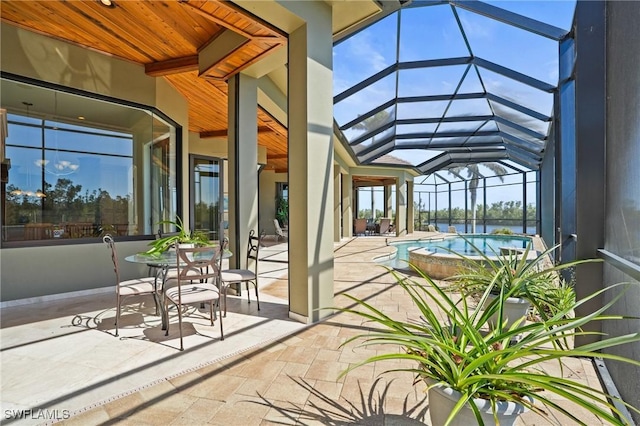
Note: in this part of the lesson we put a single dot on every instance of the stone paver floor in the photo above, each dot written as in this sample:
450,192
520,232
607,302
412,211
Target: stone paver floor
268,371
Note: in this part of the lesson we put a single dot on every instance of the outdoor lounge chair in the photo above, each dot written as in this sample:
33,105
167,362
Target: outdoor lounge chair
384,227
280,233
360,226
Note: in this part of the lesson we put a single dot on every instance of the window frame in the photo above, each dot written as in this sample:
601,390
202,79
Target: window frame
116,101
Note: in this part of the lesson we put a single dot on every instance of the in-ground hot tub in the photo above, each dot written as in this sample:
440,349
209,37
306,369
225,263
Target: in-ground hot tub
438,259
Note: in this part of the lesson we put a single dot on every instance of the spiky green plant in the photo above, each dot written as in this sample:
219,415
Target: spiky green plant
524,275
182,236
465,354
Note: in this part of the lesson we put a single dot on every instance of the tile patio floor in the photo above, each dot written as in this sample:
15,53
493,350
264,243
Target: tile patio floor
61,359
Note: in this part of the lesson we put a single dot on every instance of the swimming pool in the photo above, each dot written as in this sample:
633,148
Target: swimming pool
436,258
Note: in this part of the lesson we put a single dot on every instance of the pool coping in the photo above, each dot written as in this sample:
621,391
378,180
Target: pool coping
422,256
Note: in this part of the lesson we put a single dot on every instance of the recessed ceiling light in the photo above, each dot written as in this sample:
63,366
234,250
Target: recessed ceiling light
107,3
80,117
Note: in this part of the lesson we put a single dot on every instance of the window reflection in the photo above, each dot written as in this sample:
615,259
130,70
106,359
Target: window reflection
111,171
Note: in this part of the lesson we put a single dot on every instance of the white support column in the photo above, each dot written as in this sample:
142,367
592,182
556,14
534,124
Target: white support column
310,162
347,205
387,201
410,211
401,207
243,165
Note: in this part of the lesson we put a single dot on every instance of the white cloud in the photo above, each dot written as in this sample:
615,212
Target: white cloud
477,28
364,52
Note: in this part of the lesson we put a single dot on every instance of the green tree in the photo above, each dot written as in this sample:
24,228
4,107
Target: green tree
474,175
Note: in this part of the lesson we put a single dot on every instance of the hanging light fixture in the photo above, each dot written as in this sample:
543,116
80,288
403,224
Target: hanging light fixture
28,192
57,167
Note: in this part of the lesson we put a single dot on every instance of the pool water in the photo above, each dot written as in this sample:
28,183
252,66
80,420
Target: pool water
487,244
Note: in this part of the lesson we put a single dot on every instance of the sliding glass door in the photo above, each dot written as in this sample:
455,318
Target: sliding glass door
207,206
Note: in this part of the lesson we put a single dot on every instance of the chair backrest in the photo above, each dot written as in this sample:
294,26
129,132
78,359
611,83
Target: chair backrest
108,239
253,249
453,230
360,226
385,224
198,263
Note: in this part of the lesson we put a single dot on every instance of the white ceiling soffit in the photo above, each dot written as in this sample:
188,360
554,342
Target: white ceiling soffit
346,13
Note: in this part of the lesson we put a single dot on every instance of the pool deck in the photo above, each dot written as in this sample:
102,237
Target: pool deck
269,370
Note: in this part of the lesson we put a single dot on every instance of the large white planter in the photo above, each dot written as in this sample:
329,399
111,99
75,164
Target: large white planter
442,400
514,308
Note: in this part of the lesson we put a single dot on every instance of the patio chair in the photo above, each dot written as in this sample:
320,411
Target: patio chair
195,282
360,226
384,227
133,287
280,233
247,276
452,230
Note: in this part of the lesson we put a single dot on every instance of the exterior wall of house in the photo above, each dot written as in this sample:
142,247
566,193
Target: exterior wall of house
622,222
32,272
267,199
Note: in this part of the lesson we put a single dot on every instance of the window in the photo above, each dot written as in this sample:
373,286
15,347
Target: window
207,183
282,190
83,167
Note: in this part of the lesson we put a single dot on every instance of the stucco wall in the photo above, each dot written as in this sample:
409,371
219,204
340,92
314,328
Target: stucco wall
623,174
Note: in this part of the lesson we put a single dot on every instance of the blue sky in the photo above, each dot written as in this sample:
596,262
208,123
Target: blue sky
433,33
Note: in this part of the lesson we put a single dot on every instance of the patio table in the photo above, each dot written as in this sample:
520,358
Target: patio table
165,261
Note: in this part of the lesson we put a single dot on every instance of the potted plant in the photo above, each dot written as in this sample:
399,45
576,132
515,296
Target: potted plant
181,236
482,370
528,278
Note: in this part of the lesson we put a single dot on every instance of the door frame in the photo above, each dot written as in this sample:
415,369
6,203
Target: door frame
192,190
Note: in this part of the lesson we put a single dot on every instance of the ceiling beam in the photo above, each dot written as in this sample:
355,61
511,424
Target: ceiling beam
514,19
277,157
227,25
219,50
223,133
172,66
240,68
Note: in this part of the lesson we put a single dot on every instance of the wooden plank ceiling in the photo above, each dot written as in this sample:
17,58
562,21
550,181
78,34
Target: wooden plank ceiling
166,37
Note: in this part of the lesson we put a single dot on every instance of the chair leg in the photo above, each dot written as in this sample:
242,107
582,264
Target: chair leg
117,312
211,303
248,298
166,318
159,275
220,313
179,326
164,315
257,297
225,300
155,300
